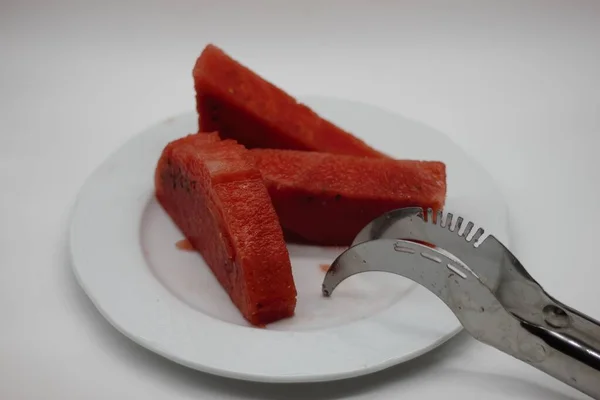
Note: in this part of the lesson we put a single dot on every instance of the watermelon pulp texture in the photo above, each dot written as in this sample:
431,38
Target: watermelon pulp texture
327,199
217,198
239,104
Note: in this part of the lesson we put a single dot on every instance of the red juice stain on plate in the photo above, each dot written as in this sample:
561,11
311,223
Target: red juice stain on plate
184,244
324,267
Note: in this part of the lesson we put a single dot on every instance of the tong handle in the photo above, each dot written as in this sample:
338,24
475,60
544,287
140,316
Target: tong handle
566,346
579,325
552,336
575,342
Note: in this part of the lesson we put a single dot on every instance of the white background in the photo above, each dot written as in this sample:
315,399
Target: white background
516,83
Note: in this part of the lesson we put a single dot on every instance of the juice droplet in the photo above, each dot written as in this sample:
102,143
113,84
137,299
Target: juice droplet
324,267
184,244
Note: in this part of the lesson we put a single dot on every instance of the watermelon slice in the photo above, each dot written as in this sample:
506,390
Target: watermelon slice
238,103
327,199
217,198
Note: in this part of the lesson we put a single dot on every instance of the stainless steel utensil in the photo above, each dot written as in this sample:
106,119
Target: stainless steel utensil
486,287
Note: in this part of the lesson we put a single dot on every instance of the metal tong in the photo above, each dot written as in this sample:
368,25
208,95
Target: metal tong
486,287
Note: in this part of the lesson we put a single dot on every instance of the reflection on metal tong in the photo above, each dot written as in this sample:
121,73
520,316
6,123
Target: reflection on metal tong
484,285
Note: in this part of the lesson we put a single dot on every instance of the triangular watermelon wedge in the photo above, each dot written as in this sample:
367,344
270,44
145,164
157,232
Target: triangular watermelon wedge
217,198
328,198
241,105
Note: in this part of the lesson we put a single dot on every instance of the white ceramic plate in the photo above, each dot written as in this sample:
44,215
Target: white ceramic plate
167,300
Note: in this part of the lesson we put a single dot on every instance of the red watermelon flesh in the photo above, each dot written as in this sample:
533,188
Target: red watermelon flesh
327,199
232,99
216,196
